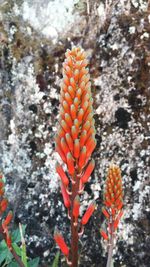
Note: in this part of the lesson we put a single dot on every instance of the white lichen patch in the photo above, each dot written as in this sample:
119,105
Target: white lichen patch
50,18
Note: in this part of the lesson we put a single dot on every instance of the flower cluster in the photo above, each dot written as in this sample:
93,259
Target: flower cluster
4,223
75,140
113,201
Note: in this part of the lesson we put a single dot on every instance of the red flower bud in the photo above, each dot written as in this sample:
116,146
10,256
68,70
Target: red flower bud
82,157
62,174
105,212
83,137
88,213
103,234
113,211
76,148
76,207
70,164
7,220
115,224
64,146
61,243
3,205
65,195
61,153
88,171
1,183
8,240
74,132
69,141
73,111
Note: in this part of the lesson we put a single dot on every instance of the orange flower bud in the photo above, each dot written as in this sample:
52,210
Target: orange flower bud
69,141
86,126
83,137
76,75
80,115
71,92
64,146
65,126
91,148
82,157
68,120
79,93
73,112
61,243
76,148
70,164
65,106
76,102
88,213
74,132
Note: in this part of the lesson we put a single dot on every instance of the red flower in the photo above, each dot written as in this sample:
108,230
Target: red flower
62,174
76,207
103,234
88,172
87,215
61,243
113,200
65,195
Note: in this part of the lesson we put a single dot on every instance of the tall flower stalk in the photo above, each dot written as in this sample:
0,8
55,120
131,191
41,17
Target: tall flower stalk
75,142
112,210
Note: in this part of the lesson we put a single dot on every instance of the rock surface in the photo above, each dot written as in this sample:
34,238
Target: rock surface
116,38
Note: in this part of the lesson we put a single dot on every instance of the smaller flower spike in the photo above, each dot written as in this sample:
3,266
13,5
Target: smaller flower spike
87,215
61,243
112,211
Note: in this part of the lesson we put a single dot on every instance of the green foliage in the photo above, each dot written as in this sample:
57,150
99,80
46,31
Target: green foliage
56,260
5,255
16,237
34,262
6,258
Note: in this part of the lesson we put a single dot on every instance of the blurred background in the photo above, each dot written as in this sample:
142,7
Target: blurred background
34,36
